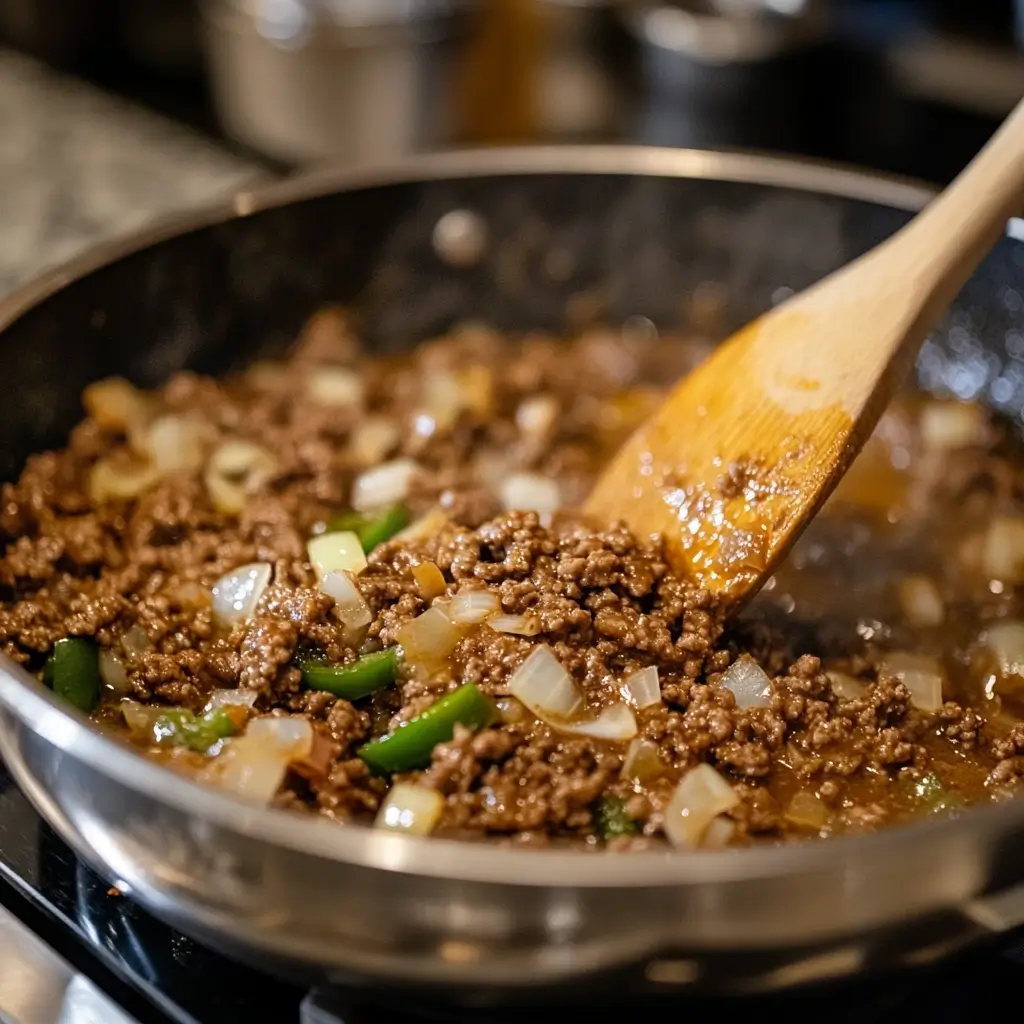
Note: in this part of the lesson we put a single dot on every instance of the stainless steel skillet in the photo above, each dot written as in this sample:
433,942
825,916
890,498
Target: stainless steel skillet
659,234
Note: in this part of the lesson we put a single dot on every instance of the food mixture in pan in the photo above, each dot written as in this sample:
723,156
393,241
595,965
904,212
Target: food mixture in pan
354,586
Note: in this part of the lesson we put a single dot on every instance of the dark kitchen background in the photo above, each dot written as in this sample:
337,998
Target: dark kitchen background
907,86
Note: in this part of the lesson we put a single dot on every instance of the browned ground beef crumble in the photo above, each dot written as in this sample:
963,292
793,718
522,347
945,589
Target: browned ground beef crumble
919,505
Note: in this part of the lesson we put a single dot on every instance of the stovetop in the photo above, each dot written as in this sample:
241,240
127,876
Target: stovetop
115,950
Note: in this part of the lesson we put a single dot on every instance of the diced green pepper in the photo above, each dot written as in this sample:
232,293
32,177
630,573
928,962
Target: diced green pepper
412,744
359,678
73,671
612,820
179,727
371,531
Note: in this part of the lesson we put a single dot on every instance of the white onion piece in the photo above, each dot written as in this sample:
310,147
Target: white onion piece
643,689
805,810
118,478
415,810
948,425
136,641
518,625
383,485
530,492
921,675
1005,640
443,398
373,440
234,469
545,687
702,794
511,710
1002,549
240,697
115,403
236,594
615,722
469,607
340,551
335,386
430,637
175,444
749,683
254,765
427,526
291,733
921,602
141,718
845,686
642,761
429,579
349,604
718,834
112,671
536,416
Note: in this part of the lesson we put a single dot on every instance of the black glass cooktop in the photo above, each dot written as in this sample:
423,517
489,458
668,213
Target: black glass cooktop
160,977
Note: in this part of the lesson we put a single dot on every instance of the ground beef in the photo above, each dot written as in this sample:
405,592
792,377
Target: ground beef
840,743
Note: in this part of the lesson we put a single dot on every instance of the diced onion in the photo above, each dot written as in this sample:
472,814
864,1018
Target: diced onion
408,808
116,404
518,625
429,579
240,697
234,469
921,675
511,710
702,794
136,641
536,416
530,492
845,686
805,810
121,478
349,604
335,386
373,440
921,602
1005,639
469,607
383,485
642,762
427,526
443,398
749,683
254,765
430,637
340,551
615,722
1002,549
175,444
643,689
718,834
236,594
544,686
948,425
141,718
112,671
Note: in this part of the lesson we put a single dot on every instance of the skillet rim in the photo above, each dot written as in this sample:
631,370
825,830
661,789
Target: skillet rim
69,731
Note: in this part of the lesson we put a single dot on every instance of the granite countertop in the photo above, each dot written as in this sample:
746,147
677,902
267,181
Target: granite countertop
78,165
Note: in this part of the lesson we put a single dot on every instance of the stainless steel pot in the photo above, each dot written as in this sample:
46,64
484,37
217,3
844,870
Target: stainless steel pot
635,232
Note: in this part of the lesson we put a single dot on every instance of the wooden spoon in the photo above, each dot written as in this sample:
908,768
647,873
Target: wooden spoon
747,448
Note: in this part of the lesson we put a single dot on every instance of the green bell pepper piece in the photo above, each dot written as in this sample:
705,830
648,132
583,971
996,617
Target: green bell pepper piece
73,670
359,678
612,820
179,727
412,744
372,532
